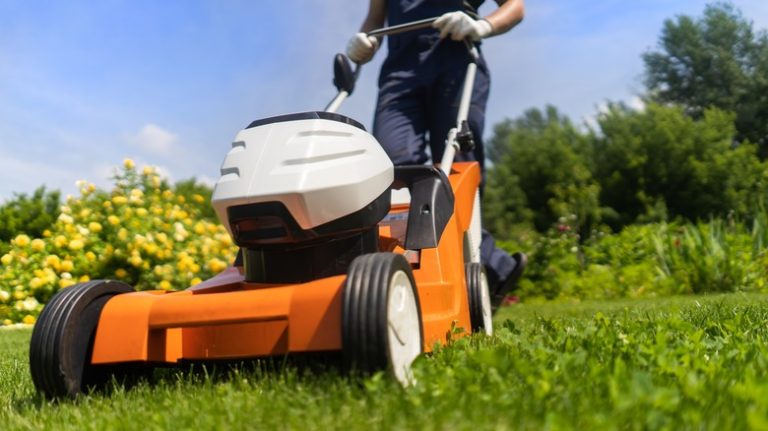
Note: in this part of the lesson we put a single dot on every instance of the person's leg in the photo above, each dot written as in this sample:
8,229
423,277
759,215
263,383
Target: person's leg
399,122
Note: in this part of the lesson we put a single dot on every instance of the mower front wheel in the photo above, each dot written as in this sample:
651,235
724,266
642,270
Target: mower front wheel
62,339
381,316
480,312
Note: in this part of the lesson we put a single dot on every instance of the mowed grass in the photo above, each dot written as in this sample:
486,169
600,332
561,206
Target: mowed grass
679,363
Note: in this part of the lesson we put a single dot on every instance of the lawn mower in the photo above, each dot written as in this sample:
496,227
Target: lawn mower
340,251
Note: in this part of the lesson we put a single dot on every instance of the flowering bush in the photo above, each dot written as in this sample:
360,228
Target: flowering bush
140,232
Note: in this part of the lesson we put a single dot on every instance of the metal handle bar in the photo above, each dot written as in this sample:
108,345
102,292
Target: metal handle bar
402,28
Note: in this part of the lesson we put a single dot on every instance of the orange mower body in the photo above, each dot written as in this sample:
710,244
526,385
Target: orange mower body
227,317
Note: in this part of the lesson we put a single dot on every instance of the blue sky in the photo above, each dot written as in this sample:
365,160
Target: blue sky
84,84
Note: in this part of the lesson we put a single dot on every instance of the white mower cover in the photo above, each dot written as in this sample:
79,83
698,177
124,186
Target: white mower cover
320,169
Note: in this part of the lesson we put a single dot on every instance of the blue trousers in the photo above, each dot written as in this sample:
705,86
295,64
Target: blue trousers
419,95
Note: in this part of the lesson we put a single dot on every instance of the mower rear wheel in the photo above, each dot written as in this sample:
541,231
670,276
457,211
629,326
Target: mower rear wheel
480,312
381,317
62,339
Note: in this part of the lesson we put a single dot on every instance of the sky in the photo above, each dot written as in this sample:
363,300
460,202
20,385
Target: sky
85,84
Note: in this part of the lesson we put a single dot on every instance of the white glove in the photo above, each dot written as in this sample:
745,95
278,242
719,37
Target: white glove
361,48
461,26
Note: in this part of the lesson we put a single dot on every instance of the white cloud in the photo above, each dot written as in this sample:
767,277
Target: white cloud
154,139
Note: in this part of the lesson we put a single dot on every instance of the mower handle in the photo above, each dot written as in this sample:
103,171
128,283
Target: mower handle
402,28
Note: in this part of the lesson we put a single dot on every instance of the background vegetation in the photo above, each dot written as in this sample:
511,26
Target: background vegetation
668,199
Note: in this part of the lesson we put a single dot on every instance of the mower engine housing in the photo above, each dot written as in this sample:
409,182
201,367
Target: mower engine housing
307,188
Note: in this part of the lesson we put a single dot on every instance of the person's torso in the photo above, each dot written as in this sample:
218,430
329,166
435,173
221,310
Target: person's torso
409,45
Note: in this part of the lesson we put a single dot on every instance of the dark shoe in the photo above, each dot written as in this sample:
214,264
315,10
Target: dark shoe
504,287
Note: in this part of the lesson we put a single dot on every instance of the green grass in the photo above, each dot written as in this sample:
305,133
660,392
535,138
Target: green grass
674,363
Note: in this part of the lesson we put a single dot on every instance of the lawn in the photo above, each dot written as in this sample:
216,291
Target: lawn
685,362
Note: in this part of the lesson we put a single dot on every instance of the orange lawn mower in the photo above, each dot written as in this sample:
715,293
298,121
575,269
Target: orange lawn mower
340,251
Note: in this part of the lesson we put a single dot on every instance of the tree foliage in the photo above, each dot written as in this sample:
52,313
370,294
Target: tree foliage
539,173
639,166
29,214
717,60
660,163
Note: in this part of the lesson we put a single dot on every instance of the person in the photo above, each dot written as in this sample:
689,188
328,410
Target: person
420,87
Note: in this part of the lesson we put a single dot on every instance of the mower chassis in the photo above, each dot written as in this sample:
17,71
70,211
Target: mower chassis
228,318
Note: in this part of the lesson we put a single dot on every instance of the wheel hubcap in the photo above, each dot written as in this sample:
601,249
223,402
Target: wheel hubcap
485,302
404,333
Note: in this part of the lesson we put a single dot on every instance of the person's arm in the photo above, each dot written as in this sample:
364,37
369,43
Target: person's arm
460,26
509,14
377,14
362,47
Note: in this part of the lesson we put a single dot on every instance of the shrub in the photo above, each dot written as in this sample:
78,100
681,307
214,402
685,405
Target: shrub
140,232
29,214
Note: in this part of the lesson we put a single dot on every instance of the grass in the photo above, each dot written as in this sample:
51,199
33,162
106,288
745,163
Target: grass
686,362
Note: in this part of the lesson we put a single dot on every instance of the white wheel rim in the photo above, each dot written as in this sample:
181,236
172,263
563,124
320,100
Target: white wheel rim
403,329
485,304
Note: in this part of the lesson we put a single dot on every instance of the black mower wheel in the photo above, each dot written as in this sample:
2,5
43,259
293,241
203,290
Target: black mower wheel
381,317
62,339
480,313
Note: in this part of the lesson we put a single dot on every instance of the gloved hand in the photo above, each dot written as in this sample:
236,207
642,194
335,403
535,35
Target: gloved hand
460,26
361,48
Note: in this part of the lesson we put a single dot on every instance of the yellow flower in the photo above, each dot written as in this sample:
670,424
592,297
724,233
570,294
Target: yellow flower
84,278
165,285
65,218
135,260
195,281
7,322
85,212
53,261
35,283
46,233
94,227
90,256
29,320
198,198
119,200
122,234
21,240
66,282
60,241
113,220
6,259
121,273
129,164
199,228
141,212
148,170
76,244
67,265
217,265
38,244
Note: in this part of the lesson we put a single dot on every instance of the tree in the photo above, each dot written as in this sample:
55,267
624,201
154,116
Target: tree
718,60
29,214
539,174
661,163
